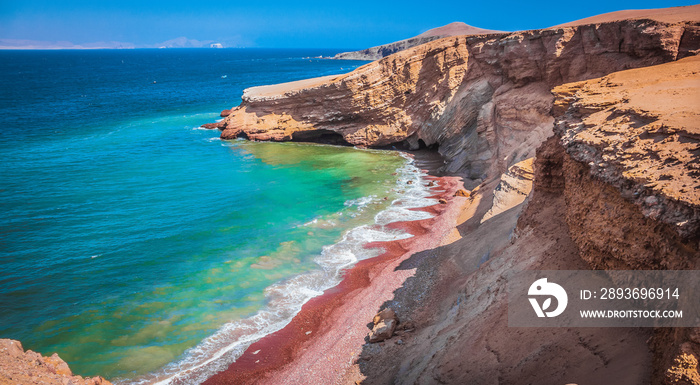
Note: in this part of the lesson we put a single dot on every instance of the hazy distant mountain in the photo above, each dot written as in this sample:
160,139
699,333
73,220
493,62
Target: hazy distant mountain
180,42
39,44
380,51
183,42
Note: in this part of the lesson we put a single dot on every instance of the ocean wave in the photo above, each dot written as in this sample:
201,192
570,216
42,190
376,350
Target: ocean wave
285,299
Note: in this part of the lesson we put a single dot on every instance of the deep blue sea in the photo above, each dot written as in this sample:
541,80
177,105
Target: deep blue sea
138,245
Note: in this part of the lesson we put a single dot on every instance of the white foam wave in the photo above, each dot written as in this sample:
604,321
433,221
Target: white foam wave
285,299
360,204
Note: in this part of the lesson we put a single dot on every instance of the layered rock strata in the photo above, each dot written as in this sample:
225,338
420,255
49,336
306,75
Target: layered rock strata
485,99
629,153
637,134
513,189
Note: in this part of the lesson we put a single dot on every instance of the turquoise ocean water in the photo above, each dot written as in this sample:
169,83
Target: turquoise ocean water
138,245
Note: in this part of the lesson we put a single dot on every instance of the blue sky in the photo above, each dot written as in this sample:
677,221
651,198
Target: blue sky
302,24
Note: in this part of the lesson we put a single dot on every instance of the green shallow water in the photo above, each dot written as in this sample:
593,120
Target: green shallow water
180,288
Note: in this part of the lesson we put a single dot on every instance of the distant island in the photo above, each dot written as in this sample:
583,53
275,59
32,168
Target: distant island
180,42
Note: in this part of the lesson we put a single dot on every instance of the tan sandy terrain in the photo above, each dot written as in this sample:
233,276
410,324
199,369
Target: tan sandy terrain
639,130
664,15
277,90
456,29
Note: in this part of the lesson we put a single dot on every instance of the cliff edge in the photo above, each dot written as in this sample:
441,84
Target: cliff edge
638,131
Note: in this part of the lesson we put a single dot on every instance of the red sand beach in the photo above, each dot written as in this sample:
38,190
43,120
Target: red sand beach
323,340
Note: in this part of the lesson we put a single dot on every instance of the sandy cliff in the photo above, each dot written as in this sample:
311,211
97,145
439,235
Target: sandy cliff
485,100
380,51
599,201
636,134
629,145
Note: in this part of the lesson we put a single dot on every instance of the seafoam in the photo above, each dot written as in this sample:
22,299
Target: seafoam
285,299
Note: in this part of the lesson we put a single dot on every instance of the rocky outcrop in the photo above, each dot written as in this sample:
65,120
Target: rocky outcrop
212,126
484,100
514,187
378,52
384,324
18,367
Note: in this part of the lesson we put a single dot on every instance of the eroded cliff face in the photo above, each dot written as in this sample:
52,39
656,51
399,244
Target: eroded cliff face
485,100
639,132
627,147
600,200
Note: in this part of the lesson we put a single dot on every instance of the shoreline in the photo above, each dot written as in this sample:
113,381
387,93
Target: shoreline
326,337
414,176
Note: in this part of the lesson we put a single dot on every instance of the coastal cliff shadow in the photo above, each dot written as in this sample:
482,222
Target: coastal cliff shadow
411,301
407,299
465,254
486,190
